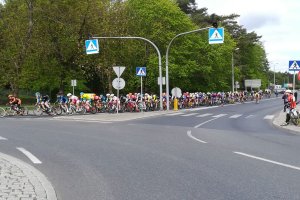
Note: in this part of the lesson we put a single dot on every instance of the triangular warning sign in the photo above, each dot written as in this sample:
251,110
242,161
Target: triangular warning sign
294,65
91,46
215,35
141,72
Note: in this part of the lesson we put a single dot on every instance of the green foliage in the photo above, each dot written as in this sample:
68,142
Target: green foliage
42,46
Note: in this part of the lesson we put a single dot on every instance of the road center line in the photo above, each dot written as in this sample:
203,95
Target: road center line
33,159
189,133
269,161
2,138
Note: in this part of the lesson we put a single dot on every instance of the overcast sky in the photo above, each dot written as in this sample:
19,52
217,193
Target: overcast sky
277,21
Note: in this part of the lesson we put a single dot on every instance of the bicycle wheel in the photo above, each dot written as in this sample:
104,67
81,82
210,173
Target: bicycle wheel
9,111
24,111
57,109
2,112
38,110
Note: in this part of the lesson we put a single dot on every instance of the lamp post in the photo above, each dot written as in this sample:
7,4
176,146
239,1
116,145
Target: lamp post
167,61
232,68
274,74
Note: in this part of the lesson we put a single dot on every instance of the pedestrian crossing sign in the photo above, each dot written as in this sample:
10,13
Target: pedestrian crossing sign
294,65
141,71
216,35
92,46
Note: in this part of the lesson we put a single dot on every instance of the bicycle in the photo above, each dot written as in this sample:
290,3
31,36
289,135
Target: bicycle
2,112
13,110
39,110
295,117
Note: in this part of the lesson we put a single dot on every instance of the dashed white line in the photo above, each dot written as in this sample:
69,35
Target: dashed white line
33,159
3,138
269,161
269,117
190,114
189,133
249,116
204,115
235,116
173,114
220,115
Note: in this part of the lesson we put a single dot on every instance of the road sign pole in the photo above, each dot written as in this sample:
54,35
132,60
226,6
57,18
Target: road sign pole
141,94
294,82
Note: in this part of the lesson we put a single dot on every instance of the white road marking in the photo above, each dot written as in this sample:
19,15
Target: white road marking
249,116
235,116
204,115
190,114
269,161
175,113
33,159
269,117
220,115
205,122
2,138
189,133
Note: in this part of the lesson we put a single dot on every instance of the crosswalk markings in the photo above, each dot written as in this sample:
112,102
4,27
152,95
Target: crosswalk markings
220,115
176,113
2,138
235,116
204,115
269,117
190,114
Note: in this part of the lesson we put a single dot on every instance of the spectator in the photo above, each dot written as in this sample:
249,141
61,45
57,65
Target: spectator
295,95
285,100
291,105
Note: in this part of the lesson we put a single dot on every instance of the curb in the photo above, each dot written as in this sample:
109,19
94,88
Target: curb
42,187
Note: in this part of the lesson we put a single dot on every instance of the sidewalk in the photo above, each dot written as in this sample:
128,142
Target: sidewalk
20,181
280,119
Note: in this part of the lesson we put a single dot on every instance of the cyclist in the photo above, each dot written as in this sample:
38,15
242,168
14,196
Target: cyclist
257,97
61,99
45,102
14,102
74,100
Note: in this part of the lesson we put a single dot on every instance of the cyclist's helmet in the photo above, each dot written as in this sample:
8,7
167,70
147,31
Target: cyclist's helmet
96,98
69,94
10,96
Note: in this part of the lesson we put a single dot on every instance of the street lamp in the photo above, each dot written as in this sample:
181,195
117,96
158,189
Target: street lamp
167,60
232,68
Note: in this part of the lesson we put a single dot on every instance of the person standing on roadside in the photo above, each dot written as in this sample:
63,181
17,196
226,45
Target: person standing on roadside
285,100
295,95
291,105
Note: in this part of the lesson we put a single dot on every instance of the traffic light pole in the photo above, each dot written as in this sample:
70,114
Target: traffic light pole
159,60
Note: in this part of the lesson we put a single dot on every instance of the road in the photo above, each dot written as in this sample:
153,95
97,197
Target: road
229,152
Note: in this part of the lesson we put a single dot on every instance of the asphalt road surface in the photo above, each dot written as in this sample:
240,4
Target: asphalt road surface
230,152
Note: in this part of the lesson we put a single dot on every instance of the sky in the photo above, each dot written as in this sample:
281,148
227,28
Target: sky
277,21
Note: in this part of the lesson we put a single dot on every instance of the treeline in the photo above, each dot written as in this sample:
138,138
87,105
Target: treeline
42,46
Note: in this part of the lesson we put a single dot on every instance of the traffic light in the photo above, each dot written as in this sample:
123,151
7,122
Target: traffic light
215,24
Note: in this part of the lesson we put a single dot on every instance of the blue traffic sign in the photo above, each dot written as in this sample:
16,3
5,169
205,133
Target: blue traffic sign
216,35
92,46
294,65
141,71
